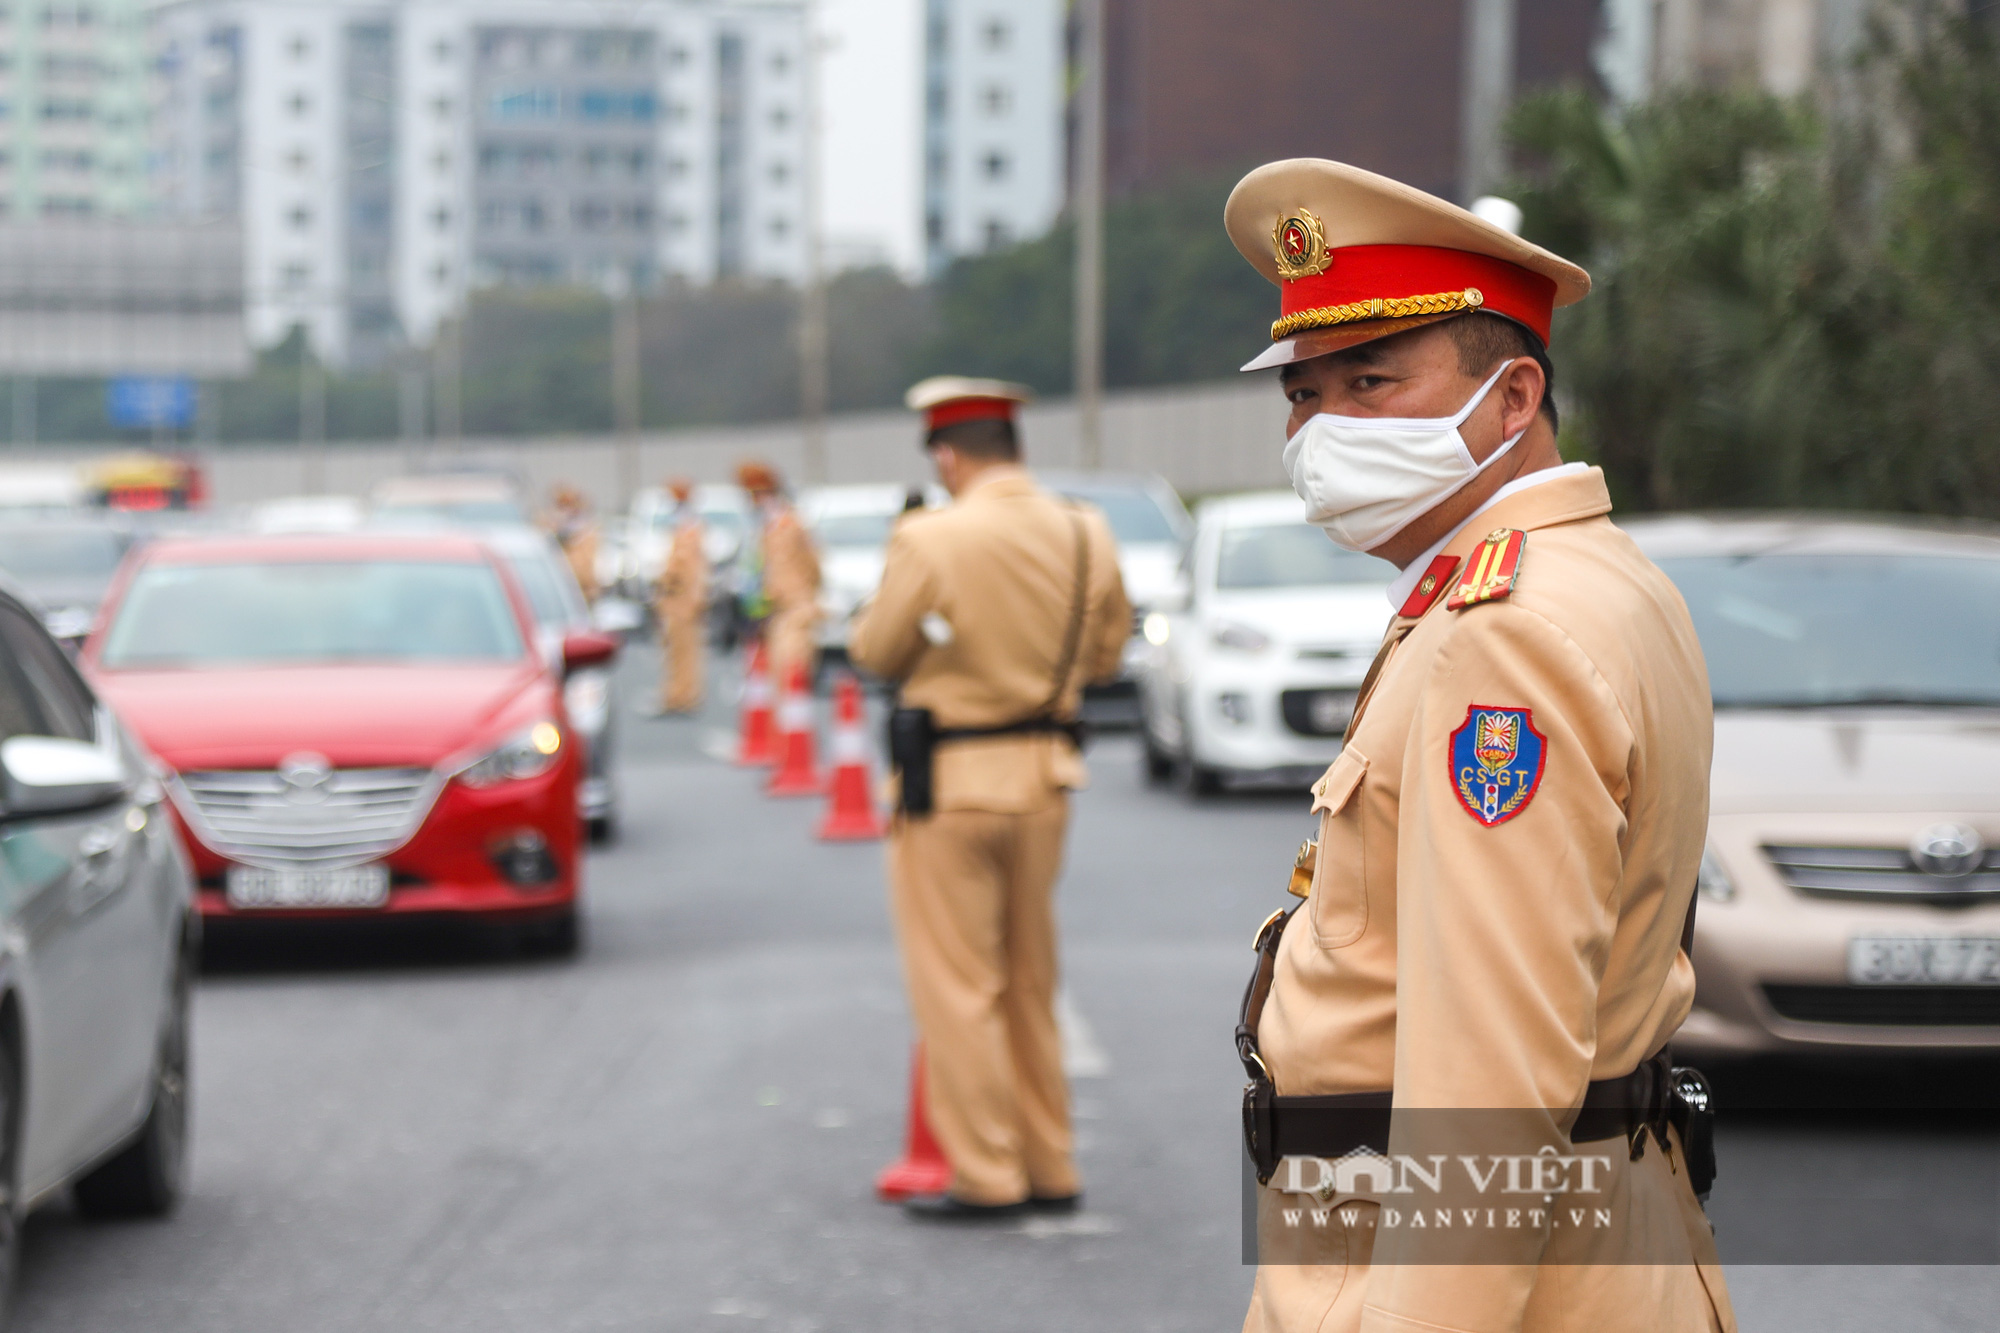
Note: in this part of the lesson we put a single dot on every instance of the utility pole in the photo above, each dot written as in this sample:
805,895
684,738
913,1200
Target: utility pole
1088,214
625,381
446,368
813,370
1488,95
24,409
312,416
410,403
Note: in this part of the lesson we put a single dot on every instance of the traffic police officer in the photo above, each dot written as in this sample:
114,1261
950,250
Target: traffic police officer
570,523
992,614
682,597
1508,843
788,574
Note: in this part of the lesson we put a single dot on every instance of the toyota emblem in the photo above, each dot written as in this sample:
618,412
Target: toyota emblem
305,777
1949,851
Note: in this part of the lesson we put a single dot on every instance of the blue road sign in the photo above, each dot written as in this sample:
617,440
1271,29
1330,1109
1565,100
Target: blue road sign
150,402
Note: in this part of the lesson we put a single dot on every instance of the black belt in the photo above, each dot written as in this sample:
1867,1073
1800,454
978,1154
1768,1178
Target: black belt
1629,1106
1073,728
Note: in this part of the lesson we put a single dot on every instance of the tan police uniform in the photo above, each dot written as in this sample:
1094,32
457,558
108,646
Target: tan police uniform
791,584
683,597
572,527
972,618
1508,842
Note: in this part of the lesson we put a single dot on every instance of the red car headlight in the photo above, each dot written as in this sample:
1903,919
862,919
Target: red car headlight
528,753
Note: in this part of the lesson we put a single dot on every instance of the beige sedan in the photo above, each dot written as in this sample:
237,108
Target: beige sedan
1850,897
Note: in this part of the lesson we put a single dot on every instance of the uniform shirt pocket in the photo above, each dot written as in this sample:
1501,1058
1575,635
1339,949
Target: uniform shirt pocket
1340,879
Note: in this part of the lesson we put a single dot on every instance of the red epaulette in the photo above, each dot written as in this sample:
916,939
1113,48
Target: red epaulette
1491,569
1436,576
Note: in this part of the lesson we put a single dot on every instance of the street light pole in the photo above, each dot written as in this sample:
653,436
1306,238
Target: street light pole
312,416
813,370
1088,215
625,382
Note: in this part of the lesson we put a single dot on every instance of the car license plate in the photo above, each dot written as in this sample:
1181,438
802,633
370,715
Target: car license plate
252,887
1921,960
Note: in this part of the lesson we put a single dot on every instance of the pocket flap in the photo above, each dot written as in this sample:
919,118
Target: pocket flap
1337,784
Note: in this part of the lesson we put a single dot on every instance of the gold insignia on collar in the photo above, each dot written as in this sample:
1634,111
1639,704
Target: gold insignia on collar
1299,240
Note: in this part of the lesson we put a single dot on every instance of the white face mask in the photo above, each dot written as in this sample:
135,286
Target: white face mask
1365,479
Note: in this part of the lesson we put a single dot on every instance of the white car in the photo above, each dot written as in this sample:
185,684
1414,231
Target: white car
1253,672
851,526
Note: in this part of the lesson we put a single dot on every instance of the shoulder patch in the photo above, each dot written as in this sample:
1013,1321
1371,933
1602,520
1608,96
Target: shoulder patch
1496,758
1491,569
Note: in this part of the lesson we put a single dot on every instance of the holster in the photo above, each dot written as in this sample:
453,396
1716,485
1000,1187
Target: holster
1691,1108
912,745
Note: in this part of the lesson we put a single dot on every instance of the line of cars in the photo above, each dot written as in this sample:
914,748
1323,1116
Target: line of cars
308,711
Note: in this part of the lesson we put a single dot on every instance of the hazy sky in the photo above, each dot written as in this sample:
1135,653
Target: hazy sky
872,95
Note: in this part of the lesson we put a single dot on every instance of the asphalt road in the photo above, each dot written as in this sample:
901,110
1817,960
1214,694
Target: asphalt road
678,1129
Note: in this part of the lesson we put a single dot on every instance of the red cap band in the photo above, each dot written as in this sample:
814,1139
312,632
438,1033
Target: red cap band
970,409
1396,281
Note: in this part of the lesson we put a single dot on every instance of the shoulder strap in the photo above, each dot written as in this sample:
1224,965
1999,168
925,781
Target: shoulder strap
1073,636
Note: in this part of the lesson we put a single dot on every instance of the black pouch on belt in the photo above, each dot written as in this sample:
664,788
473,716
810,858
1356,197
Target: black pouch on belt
1691,1107
912,742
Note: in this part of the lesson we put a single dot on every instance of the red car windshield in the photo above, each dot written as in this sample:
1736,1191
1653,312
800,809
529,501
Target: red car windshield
286,613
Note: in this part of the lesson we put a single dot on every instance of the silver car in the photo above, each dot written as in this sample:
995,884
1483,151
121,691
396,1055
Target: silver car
97,911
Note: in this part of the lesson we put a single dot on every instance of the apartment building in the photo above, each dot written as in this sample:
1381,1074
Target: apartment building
994,97
72,109
387,158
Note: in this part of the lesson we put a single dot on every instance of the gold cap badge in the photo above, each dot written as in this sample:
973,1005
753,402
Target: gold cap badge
1299,240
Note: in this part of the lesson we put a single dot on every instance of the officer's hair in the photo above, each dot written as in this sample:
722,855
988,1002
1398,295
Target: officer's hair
1485,339
986,438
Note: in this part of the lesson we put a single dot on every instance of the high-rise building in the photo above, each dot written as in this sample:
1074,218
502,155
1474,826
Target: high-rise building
386,158
994,76
1777,45
73,89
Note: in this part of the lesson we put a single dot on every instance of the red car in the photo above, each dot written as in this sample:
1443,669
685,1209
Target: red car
356,724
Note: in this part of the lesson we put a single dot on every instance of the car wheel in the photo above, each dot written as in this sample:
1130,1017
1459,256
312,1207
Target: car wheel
144,1178
558,936
1159,764
1197,778
10,1144
603,829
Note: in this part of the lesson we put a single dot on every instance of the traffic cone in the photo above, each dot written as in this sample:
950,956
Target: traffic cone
797,774
756,743
850,815
922,1168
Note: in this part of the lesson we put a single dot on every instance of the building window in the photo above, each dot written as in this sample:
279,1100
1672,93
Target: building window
298,159
441,162
440,273
300,46
300,217
441,107
299,103
532,215
781,62
994,164
781,173
996,99
995,34
677,56
293,277
441,51
781,117
677,222
998,234
440,218
677,166
780,228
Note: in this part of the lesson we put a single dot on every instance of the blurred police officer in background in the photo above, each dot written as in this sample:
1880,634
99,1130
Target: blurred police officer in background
992,614
785,576
681,598
1500,899
570,523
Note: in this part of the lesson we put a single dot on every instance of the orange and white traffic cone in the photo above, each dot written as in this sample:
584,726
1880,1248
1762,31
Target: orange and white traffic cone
756,744
850,815
922,1168
797,773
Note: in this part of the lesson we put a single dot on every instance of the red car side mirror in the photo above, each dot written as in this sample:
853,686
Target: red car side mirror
588,648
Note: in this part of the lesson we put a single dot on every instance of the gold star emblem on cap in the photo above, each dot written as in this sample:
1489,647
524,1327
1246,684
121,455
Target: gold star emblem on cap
1299,240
